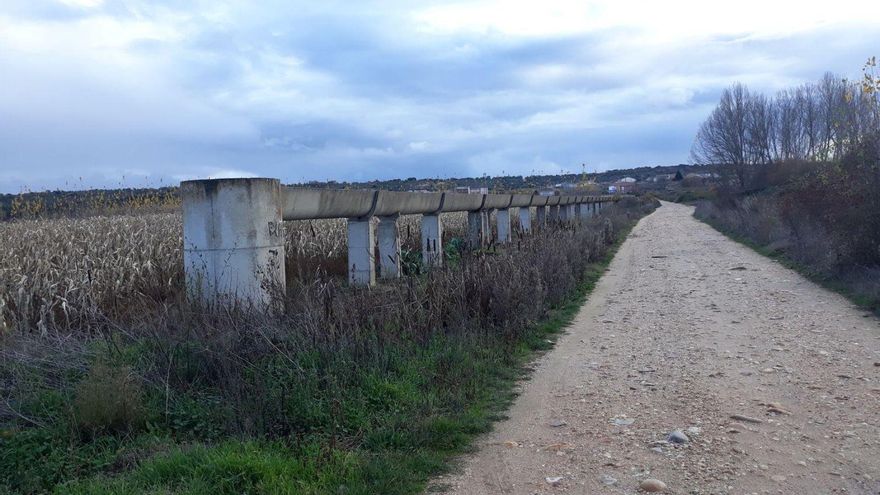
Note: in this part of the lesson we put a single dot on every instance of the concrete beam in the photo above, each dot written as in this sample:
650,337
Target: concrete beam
525,219
432,240
503,222
361,252
389,247
233,240
304,204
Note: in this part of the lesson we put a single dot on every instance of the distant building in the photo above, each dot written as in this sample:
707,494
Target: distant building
566,186
626,185
662,177
472,190
701,175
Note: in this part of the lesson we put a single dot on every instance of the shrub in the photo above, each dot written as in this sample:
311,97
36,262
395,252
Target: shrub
825,217
108,399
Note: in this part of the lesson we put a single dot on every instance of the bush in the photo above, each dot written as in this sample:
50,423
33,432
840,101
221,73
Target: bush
824,217
108,399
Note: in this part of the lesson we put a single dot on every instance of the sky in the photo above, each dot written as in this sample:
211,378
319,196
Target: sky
102,93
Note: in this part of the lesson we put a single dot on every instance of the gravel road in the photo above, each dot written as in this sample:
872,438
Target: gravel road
773,381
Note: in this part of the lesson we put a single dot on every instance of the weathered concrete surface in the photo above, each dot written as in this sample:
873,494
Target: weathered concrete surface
389,246
302,204
432,240
502,220
553,213
541,216
525,219
475,233
233,243
686,330
361,251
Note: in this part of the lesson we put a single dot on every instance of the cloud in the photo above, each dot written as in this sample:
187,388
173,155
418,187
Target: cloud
340,90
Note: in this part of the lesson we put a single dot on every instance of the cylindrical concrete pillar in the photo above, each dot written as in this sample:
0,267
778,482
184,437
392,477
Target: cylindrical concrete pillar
525,219
432,240
389,247
361,251
233,240
503,221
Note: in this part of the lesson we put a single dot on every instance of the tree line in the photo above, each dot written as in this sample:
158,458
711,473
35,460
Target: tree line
816,122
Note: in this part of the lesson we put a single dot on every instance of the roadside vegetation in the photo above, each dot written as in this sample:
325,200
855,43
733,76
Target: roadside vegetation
112,383
801,177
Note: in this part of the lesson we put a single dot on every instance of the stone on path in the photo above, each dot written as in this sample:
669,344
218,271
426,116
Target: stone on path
553,480
677,436
652,485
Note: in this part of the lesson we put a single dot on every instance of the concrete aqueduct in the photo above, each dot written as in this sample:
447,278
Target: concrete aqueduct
234,243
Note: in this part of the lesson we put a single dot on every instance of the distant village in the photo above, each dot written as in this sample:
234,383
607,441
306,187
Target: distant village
616,185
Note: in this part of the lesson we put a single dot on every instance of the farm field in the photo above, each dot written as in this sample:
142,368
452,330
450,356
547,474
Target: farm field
70,274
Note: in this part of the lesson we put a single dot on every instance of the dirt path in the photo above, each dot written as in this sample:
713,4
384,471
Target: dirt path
685,330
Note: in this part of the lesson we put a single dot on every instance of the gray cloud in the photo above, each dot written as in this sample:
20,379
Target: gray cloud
155,91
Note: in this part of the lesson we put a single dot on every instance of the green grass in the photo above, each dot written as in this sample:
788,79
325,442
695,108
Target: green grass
823,279
385,427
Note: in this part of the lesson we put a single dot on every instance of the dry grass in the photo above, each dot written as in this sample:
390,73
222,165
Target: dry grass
67,273
77,274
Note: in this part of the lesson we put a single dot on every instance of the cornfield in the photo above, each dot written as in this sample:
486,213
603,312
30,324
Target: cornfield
73,274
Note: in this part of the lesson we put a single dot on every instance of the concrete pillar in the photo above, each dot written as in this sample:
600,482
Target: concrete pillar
553,215
432,240
565,213
487,227
541,216
586,211
233,240
503,221
389,247
361,252
578,212
596,207
525,219
475,229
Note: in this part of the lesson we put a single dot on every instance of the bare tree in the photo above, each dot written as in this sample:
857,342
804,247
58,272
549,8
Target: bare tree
721,139
819,122
760,130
